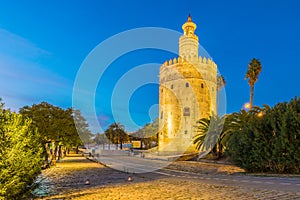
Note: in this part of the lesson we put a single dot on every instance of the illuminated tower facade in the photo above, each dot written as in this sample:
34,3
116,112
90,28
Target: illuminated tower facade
187,93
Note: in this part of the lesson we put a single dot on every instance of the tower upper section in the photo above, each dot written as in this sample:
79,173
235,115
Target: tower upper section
188,42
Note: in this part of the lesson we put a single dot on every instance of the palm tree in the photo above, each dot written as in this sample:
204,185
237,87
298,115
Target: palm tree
221,82
209,134
109,135
202,129
118,134
254,69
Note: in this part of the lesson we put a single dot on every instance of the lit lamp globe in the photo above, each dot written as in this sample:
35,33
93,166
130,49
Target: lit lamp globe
247,106
260,114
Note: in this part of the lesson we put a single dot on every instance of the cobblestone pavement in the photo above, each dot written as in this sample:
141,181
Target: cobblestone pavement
68,181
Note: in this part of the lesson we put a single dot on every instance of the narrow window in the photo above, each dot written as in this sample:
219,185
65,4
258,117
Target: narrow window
161,114
185,132
202,86
186,111
171,86
187,85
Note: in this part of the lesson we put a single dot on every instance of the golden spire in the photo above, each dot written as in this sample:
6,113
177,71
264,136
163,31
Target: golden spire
189,27
189,18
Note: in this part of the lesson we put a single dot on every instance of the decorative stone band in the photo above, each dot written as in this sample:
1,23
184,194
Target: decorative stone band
199,59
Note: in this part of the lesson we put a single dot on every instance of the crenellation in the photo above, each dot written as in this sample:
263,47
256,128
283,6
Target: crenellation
174,61
200,59
209,61
179,59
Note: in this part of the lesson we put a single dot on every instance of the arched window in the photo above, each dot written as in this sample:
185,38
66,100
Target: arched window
202,86
187,85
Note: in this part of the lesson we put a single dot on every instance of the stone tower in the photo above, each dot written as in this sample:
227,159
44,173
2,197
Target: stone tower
187,93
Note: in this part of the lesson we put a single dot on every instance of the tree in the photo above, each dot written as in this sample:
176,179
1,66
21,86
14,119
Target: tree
121,134
109,135
221,82
201,131
82,127
268,139
254,69
42,117
147,134
101,139
209,134
57,127
20,153
116,134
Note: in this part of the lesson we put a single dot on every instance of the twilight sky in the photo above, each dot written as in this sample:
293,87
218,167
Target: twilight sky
43,45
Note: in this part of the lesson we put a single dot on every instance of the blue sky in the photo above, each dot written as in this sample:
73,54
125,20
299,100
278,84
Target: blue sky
43,44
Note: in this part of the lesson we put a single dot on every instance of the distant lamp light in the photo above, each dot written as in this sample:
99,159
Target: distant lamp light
87,182
260,114
129,179
247,105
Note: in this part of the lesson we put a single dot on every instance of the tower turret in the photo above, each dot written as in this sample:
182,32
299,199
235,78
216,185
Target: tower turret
188,42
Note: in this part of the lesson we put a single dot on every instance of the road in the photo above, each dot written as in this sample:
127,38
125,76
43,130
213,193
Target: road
67,181
143,165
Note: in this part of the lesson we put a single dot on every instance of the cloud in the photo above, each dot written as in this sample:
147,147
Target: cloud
16,45
104,120
23,79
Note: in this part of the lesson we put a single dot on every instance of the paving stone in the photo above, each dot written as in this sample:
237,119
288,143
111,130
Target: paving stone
67,181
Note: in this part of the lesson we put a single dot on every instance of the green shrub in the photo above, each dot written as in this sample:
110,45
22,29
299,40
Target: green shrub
20,154
268,143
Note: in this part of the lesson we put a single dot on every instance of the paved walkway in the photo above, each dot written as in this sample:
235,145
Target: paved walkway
68,181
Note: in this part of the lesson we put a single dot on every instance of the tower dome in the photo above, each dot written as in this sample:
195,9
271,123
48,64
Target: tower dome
189,27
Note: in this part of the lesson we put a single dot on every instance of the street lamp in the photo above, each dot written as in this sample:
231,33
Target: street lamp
260,114
247,105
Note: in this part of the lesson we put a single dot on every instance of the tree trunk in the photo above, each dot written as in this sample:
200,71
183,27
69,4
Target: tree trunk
219,149
53,158
48,154
117,143
59,153
53,151
251,95
56,152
